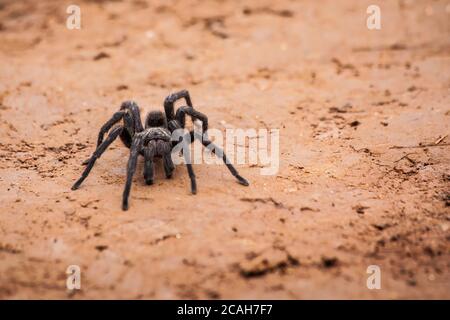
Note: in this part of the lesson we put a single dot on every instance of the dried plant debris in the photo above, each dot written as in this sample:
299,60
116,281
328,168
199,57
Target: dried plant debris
360,209
285,13
271,261
101,55
329,262
264,200
214,24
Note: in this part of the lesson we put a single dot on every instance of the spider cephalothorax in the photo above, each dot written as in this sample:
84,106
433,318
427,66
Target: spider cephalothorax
153,140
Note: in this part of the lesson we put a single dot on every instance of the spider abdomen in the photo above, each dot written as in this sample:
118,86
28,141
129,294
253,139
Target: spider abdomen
159,148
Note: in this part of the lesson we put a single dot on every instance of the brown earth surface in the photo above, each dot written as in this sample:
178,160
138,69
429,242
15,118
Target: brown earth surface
364,119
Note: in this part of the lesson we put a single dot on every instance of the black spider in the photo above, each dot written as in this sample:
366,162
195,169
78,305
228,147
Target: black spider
153,141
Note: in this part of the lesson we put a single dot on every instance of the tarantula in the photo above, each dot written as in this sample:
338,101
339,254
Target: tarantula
153,141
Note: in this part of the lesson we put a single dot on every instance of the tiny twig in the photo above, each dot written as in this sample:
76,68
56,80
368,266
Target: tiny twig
406,156
420,146
440,139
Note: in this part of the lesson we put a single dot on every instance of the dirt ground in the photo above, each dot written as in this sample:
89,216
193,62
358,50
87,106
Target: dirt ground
364,119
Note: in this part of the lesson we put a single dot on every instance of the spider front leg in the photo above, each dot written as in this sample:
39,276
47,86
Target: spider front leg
186,141
170,101
129,111
194,114
97,153
219,152
131,169
105,128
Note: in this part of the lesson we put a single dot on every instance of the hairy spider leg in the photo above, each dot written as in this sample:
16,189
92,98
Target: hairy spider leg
168,165
129,130
135,113
131,169
105,128
157,147
130,113
181,117
190,111
108,125
149,152
97,153
187,159
219,151
171,99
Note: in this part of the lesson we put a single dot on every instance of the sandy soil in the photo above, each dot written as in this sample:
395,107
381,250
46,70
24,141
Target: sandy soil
364,176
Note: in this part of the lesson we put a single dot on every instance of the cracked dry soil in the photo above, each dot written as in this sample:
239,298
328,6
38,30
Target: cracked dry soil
364,150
